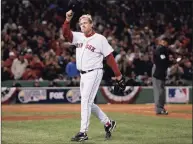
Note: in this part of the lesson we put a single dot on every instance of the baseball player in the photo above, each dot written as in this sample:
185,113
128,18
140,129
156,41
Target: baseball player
91,49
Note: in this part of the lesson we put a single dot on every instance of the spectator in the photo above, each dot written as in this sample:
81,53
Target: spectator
122,60
138,65
135,53
146,65
5,73
130,69
29,55
63,60
37,67
52,69
174,73
132,81
28,74
188,73
19,66
9,25
8,63
71,69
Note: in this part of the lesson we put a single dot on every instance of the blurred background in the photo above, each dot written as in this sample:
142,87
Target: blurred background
33,48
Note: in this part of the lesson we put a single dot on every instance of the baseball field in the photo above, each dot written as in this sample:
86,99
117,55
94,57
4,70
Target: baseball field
56,124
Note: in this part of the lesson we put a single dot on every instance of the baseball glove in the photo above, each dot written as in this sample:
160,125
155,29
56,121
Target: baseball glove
76,5
120,86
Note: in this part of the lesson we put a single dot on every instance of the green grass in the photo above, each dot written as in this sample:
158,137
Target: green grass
131,129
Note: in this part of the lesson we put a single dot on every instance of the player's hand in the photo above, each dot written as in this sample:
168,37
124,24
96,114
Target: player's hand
69,15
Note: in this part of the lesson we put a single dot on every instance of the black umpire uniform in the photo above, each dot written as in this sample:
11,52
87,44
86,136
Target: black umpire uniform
159,72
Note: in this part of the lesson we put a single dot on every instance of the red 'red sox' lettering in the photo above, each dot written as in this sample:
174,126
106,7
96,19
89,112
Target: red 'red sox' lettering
90,47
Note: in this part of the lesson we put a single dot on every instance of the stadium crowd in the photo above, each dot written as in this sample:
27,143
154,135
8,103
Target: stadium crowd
33,47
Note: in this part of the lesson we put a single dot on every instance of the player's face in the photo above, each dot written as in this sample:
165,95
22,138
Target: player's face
85,25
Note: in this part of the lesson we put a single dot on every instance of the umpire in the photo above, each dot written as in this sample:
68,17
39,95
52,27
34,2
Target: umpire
159,72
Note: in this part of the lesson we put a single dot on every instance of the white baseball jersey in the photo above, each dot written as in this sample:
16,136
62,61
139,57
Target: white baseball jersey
90,51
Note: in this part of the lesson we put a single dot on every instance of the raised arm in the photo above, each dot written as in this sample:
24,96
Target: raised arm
67,33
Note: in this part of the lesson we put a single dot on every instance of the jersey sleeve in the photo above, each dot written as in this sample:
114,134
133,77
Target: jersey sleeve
66,31
76,36
106,48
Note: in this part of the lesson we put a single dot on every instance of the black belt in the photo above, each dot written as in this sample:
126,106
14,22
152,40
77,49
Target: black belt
83,72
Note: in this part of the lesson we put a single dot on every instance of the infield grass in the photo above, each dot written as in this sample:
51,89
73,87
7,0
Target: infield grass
131,129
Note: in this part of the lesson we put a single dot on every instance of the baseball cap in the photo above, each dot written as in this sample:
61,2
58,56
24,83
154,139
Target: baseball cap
29,50
11,54
44,22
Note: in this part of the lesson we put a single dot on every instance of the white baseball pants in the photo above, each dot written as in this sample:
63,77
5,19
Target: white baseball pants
89,85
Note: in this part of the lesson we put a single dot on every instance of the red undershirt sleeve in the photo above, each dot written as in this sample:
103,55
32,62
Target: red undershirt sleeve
111,62
67,33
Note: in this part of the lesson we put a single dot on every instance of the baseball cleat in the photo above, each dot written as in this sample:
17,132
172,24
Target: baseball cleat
109,129
80,137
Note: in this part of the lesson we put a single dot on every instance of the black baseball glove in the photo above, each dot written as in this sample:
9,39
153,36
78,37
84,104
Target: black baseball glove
120,86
